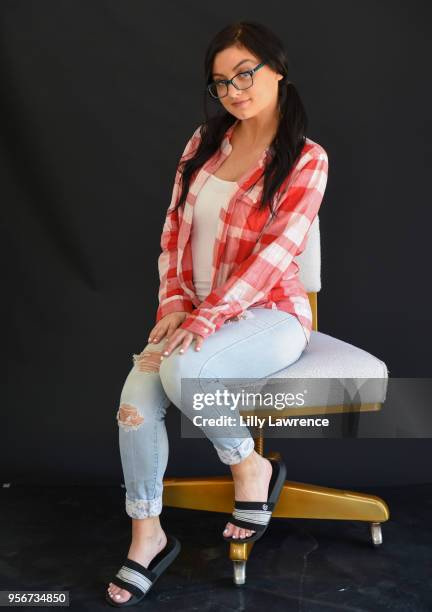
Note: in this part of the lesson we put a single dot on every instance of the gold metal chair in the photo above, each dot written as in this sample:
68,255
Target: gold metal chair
299,500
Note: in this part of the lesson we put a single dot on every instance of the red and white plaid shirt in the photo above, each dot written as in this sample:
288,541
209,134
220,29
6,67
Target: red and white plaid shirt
253,255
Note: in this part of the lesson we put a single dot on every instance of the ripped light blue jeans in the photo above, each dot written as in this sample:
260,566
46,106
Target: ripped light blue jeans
257,345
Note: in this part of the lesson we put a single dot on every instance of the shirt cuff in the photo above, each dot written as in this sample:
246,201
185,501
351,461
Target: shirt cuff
197,326
174,304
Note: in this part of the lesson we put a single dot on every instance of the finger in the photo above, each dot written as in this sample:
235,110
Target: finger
157,334
186,342
175,339
169,332
199,342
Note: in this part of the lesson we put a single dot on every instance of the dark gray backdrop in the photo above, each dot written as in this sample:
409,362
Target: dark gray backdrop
98,100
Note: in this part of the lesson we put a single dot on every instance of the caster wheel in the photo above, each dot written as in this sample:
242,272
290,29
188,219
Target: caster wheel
239,572
376,533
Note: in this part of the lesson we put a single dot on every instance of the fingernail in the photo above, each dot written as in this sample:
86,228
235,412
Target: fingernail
165,352
161,358
181,351
198,348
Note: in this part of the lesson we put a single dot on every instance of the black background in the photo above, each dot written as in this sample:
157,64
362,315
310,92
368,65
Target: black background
98,100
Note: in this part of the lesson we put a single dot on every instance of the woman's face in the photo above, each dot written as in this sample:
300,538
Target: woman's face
261,95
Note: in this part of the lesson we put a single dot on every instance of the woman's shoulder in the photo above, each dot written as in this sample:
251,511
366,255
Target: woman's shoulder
312,149
313,156
197,131
192,143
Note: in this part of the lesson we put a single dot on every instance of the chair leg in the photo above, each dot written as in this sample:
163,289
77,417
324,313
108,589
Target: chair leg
239,575
376,533
239,554
297,500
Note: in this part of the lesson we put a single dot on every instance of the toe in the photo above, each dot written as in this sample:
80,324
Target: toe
118,594
122,595
125,595
228,530
232,531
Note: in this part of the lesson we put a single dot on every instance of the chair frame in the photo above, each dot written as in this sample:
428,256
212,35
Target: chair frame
297,500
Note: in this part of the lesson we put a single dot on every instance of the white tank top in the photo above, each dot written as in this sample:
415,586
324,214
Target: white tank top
211,197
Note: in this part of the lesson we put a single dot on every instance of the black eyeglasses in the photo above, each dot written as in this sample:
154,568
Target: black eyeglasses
242,80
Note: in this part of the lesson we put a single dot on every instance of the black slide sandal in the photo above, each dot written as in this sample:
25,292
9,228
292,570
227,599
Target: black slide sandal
137,579
256,515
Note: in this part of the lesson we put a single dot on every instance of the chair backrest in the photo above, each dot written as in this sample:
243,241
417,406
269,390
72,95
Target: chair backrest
309,263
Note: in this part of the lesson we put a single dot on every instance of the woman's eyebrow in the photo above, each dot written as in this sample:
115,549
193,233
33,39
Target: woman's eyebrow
234,67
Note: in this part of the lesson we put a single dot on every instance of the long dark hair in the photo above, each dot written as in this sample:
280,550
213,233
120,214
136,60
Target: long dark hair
291,134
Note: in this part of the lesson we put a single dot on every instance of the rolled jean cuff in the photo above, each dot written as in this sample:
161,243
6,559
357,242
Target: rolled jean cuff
231,456
143,508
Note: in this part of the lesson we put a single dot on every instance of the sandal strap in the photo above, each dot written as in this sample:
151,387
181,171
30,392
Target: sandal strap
252,515
122,584
252,505
247,524
134,577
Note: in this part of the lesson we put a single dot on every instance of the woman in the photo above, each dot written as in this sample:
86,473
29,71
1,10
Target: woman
247,189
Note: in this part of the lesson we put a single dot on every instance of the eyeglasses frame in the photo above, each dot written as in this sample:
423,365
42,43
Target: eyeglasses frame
230,81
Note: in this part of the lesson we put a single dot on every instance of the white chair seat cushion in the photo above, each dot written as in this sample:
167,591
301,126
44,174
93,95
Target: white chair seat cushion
328,357
343,374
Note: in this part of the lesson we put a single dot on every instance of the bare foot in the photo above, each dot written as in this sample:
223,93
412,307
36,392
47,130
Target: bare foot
252,486
142,550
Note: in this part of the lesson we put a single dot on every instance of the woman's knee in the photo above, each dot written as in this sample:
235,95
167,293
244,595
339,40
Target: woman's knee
140,398
174,368
149,359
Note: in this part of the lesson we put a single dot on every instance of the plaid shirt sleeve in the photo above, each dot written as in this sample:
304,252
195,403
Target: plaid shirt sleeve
274,251
171,296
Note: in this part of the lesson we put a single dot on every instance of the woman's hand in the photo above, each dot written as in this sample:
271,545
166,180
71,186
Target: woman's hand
183,337
166,326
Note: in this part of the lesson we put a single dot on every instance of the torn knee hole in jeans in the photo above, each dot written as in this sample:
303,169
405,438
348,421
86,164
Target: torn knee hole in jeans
148,361
129,417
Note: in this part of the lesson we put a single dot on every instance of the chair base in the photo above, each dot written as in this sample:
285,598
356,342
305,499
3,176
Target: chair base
297,500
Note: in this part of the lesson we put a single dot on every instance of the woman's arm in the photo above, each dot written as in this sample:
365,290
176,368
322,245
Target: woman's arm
171,296
274,251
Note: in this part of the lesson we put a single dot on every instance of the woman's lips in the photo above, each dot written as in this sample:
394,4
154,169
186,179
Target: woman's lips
242,103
